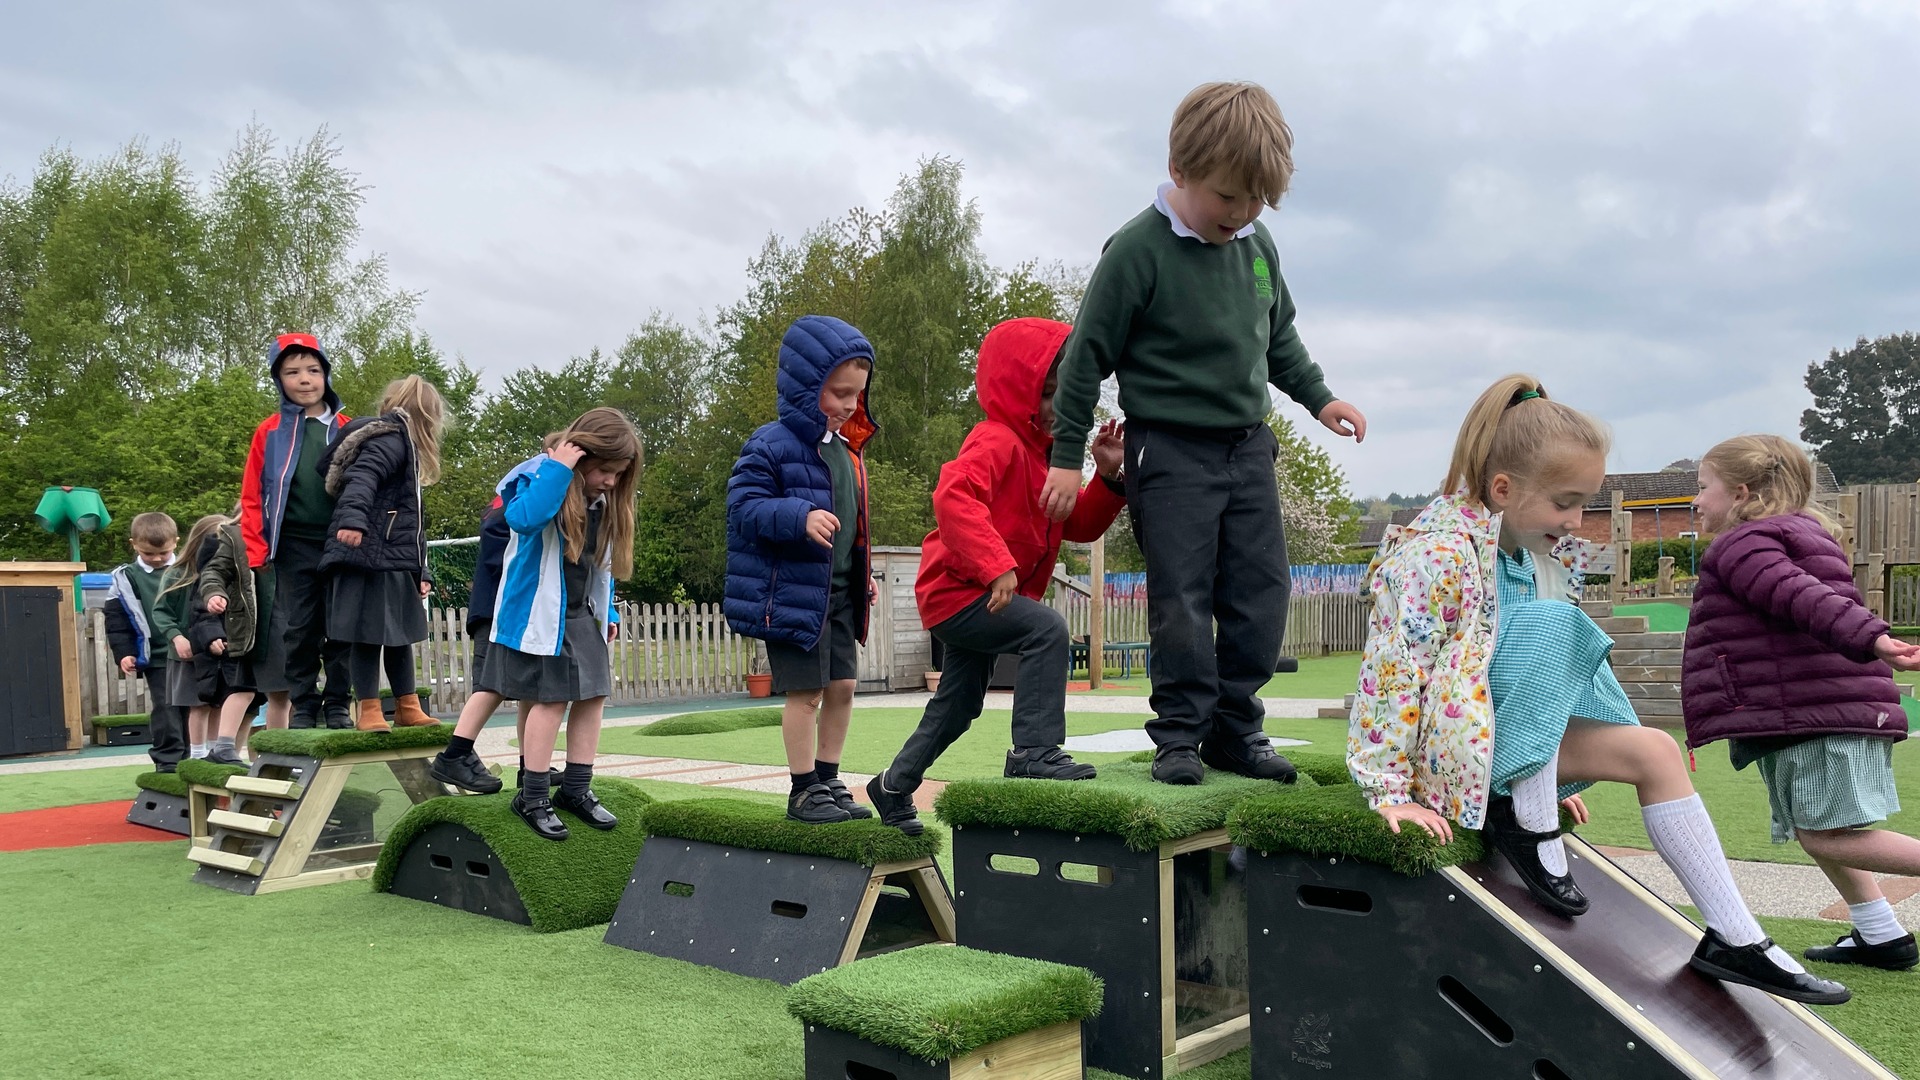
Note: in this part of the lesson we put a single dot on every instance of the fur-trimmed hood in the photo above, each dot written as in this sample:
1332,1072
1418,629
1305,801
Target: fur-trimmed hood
355,439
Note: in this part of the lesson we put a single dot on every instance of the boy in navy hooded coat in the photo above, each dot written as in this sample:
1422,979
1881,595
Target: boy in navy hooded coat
799,573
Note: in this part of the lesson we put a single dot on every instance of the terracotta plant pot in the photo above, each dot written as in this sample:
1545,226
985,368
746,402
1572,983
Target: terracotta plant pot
759,686
933,681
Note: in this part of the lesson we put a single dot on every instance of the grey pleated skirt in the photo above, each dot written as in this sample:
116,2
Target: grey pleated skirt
579,673
375,607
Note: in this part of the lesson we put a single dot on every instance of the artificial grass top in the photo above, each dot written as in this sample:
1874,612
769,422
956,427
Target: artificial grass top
943,1001
1335,820
121,720
565,885
166,783
1124,801
206,773
326,743
766,827
708,723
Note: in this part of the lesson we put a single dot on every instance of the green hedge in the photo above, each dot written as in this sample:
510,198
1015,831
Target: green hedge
1124,801
326,743
765,827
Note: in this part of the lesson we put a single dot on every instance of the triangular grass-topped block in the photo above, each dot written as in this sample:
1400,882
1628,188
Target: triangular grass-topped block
1336,821
326,743
735,885
475,854
162,783
1123,801
160,803
945,1012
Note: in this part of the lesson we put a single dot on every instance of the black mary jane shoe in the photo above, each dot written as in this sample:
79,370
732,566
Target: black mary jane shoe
1749,965
1899,954
587,808
1555,892
539,816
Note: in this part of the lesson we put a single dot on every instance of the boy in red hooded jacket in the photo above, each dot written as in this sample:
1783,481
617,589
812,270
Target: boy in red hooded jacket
985,566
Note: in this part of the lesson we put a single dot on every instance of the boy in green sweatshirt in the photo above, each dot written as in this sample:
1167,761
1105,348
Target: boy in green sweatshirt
1188,310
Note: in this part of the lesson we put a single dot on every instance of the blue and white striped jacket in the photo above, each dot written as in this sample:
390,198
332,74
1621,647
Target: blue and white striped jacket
530,609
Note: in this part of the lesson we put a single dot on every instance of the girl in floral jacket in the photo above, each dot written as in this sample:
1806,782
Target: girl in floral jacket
1483,688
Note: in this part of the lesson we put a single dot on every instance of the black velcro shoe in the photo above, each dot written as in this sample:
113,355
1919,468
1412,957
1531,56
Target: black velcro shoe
587,808
896,807
1556,892
224,755
466,773
1046,763
1749,965
1252,756
340,719
1177,765
815,805
303,721
1897,955
844,799
539,816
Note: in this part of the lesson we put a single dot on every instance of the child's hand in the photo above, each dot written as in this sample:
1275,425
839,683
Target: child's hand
349,537
217,647
568,454
183,648
216,605
821,526
1415,814
1000,592
1342,418
1060,493
1109,449
426,589
1576,806
1902,656
127,665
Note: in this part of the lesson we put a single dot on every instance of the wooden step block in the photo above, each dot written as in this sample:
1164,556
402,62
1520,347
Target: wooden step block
226,860
1638,692
1627,673
1597,609
1334,712
1674,641
247,823
1624,624
1647,657
260,785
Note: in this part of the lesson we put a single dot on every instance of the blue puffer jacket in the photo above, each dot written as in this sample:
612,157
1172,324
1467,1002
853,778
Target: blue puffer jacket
777,579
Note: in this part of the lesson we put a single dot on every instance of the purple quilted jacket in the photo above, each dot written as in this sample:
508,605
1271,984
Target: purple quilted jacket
1779,642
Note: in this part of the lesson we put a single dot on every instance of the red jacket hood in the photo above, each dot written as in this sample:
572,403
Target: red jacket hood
1012,370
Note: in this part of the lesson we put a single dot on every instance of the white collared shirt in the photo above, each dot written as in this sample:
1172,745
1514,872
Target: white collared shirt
142,563
1180,227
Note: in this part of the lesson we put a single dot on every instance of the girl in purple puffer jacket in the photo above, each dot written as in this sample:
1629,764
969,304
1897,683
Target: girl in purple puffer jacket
1785,663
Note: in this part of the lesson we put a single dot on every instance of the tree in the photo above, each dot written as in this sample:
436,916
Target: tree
1314,504
1865,420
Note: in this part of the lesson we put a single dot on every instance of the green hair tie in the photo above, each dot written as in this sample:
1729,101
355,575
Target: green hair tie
1525,394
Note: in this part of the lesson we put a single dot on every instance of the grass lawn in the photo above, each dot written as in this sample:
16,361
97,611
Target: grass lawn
1319,677
1661,618
35,791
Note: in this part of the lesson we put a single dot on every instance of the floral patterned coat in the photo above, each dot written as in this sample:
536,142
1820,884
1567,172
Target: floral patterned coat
1421,730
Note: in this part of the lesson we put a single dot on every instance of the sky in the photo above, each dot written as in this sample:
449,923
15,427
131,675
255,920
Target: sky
1665,210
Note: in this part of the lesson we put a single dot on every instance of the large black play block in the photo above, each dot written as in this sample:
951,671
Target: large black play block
734,885
1376,955
160,802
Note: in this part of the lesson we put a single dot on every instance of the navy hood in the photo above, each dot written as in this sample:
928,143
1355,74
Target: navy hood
291,343
809,351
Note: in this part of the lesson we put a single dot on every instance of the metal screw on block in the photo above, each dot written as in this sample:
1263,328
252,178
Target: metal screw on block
843,918
730,950
963,892
1630,1046
1268,1010
1333,862
1146,993
1265,931
809,1029
776,959
1016,832
1076,839
1450,898
726,854
769,862
1143,919
1536,969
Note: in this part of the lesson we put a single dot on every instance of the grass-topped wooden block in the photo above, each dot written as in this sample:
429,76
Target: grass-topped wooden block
940,1013
122,729
160,802
1158,910
330,743
735,885
474,853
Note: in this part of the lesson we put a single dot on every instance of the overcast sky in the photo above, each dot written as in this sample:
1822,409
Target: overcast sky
1666,210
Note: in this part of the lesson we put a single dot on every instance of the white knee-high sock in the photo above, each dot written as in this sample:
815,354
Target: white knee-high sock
1536,806
1684,836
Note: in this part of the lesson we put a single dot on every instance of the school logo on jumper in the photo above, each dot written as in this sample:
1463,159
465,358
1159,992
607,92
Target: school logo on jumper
1262,277
1313,1033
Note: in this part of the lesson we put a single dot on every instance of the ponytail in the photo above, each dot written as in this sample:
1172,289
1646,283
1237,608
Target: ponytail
1514,428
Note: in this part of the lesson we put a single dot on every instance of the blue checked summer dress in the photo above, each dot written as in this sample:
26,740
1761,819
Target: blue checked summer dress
1549,664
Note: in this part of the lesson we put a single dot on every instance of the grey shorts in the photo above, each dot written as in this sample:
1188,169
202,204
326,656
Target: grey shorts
834,657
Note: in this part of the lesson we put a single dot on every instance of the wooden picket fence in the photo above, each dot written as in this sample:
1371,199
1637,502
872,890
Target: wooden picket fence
1317,624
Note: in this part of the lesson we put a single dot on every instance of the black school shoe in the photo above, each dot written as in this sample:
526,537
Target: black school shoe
1556,893
539,816
466,773
587,808
1177,765
815,805
1253,756
224,756
896,807
340,718
844,799
1897,955
303,721
1749,965
1046,763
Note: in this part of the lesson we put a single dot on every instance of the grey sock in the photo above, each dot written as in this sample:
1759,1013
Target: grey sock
534,785
221,743
575,780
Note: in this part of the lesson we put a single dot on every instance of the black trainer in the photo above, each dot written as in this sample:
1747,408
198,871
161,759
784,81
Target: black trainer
844,799
895,807
1897,955
1046,763
1177,765
1749,965
467,773
815,805
1253,756
224,755
1556,892
539,816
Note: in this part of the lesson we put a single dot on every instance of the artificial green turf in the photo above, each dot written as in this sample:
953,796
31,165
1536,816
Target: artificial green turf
706,723
356,802
206,773
1337,821
1124,801
327,743
138,719
758,826
1661,618
165,783
565,885
939,1002
72,787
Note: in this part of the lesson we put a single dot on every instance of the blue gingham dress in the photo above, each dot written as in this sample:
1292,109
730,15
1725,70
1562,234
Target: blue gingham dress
1549,665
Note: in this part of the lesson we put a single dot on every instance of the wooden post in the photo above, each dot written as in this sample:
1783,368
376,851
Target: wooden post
1622,523
1097,613
1663,582
1875,584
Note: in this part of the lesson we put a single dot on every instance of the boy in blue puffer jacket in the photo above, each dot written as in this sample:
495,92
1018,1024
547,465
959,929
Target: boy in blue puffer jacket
799,573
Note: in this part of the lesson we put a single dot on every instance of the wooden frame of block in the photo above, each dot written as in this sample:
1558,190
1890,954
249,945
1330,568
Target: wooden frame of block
1049,1053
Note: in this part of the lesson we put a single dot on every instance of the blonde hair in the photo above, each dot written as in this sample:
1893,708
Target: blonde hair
153,529
608,437
1233,131
1777,474
185,570
1514,428
420,404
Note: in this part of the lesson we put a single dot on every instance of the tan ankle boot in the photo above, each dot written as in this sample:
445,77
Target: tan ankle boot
370,716
408,713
